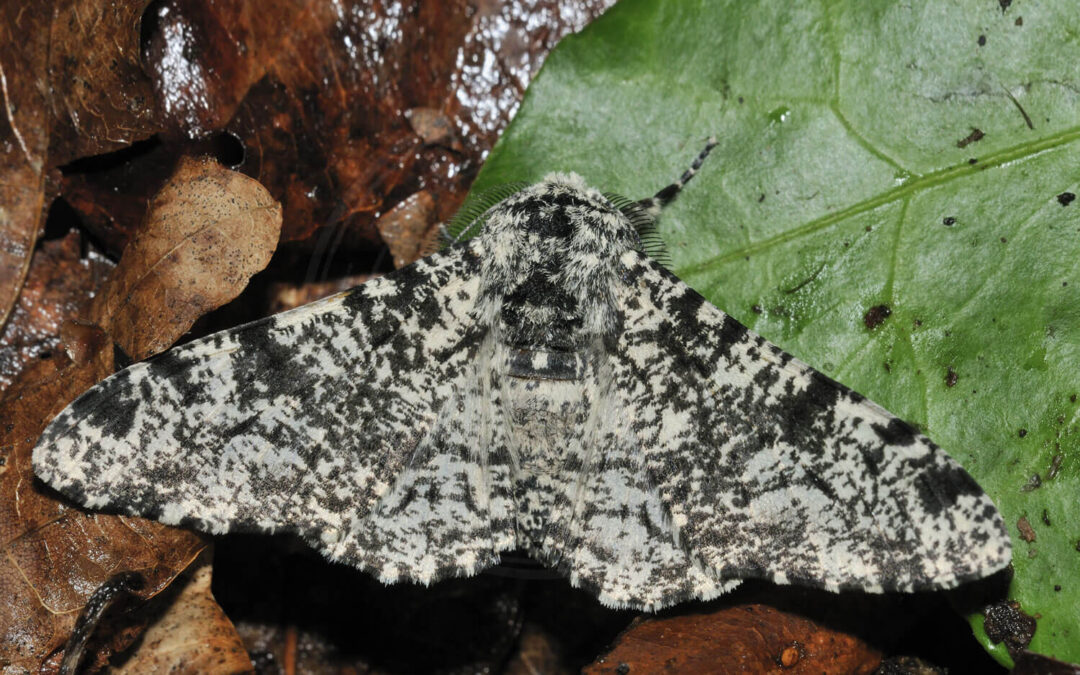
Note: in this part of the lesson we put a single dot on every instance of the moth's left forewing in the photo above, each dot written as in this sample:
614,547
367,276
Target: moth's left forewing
768,469
339,421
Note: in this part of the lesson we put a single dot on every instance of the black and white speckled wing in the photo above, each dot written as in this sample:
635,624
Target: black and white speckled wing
768,469
621,544
331,421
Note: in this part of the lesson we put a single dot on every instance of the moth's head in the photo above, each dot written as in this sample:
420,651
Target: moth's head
560,210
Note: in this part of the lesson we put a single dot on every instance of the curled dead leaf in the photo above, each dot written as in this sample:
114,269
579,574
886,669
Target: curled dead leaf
206,232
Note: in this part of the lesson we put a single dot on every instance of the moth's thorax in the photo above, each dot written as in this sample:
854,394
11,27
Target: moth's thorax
551,265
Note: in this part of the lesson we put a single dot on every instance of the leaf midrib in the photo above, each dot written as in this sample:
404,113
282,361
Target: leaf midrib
908,189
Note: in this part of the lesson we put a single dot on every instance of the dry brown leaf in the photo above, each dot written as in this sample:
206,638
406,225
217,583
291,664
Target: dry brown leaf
408,228
193,635
24,139
206,232
100,98
750,638
71,85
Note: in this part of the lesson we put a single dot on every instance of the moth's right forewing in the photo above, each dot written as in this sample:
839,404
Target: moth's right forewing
768,469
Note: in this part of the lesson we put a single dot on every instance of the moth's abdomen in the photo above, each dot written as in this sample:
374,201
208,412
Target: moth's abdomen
547,418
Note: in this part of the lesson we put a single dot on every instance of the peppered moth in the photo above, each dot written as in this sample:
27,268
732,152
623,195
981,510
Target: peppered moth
543,385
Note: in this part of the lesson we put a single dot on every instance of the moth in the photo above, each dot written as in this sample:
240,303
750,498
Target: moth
547,385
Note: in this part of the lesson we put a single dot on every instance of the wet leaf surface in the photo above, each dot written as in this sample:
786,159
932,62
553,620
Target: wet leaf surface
340,109
59,276
838,163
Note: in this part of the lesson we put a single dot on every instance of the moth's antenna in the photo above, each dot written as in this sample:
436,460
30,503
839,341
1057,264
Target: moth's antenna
655,204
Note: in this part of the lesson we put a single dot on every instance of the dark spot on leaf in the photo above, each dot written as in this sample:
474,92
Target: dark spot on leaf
1073,398
876,315
761,198
982,40
1033,483
1027,532
1004,4
975,136
973,160
1006,622
1046,518
1057,587
1003,240
951,378
1019,21
869,228
756,309
948,221
1066,198
1022,433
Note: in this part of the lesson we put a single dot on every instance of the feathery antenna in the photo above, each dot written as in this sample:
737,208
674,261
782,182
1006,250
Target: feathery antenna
655,204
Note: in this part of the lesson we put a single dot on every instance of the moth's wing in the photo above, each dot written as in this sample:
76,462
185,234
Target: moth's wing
328,421
768,469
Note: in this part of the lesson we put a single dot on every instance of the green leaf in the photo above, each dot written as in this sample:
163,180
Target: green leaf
848,176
